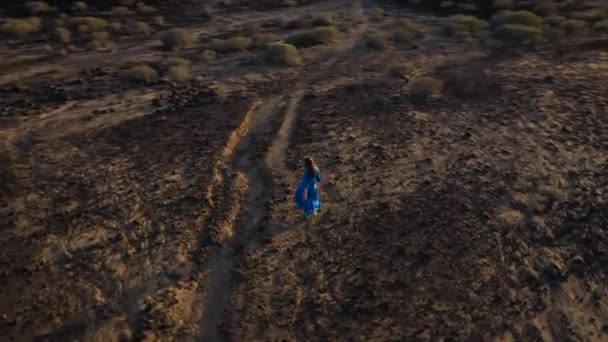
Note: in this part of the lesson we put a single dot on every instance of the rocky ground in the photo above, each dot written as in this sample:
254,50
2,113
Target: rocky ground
162,210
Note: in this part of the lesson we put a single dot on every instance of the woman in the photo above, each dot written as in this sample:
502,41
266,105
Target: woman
307,194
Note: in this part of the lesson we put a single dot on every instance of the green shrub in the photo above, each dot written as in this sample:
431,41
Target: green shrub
283,54
601,26
263,39
120,11
178,74
472,24
115,27
145,10
590,16
178,62
295,24
316,36
572,26
209,55
411,28
424,87
233,44
555,20
446,4
402,37
92,23
21,27
141,73
141,27
79,6
63,35
376,41
524,18
402,70
176,39
322,20
377,13
545,8
38,7
158,21
552,34
453,29
463,36
517,32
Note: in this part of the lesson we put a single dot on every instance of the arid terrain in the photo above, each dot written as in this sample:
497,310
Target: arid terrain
149,155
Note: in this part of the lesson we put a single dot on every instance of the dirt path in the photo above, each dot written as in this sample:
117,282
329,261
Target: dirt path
257,170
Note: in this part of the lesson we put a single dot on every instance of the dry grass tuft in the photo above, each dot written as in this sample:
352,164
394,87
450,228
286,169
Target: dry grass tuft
264,39
141,73
79,6
312,37
92,23
424,87
21,27
233,44
402,70
209,55
376,41
141,27
176,39
62,35
283,54
38,7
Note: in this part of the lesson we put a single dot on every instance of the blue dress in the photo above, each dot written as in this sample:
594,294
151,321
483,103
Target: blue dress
307,194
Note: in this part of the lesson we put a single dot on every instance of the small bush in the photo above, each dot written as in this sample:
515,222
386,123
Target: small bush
178,74
552,34
424,87
263,39
453,29
472,24
158,21
295,24
572,26
115,27
446,4
120,11
601,26
141,27
176,39
145,10
590,16
322,20
141,73
402,70
411,28
79,6
92,23
233,44
316,36
209,55
100,40
463,36
63,35
555,20
178,62
377,13
38,7
376,41
283,54
516,32
21,27
402,37
525,18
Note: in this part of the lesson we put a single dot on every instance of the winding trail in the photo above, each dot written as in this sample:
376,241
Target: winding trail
252,166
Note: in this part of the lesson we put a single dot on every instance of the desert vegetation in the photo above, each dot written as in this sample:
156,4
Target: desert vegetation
149,153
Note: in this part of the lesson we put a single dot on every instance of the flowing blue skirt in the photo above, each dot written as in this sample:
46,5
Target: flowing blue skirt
307,198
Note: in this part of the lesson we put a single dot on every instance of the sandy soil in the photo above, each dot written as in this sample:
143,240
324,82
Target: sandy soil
156,211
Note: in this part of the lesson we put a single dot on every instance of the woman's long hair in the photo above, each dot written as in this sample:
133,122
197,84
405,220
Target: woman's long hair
310,166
